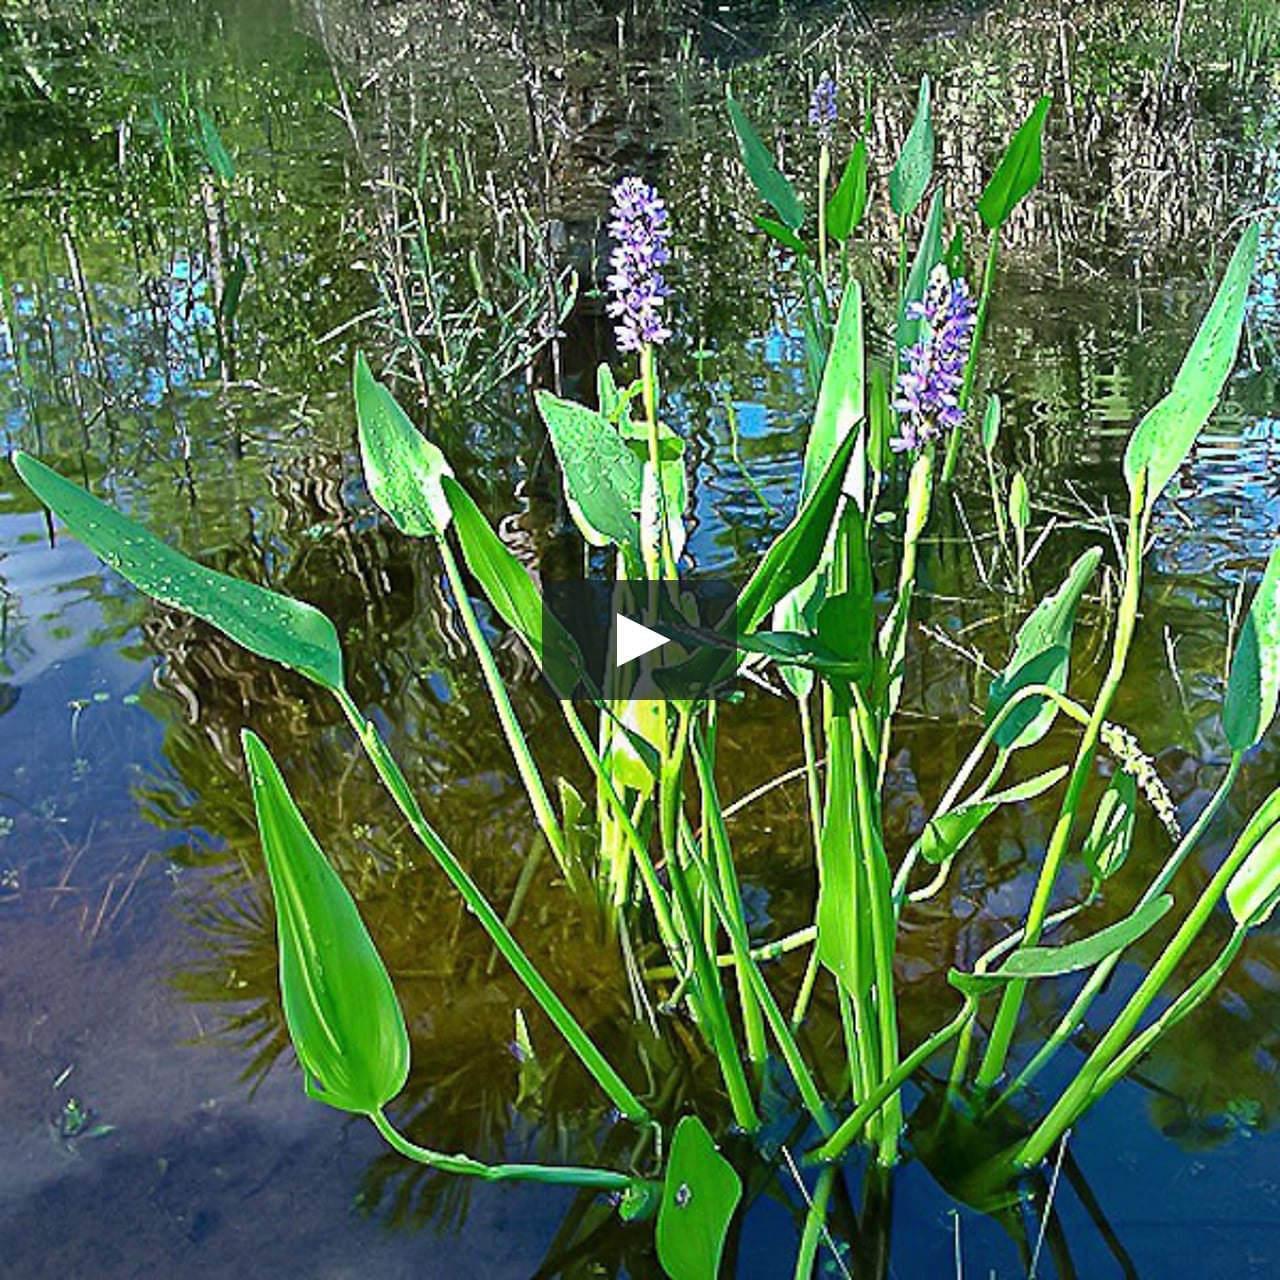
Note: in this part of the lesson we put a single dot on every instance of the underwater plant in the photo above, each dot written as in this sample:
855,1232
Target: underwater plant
663,862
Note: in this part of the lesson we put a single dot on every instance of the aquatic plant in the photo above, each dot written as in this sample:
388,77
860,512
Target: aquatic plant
664,863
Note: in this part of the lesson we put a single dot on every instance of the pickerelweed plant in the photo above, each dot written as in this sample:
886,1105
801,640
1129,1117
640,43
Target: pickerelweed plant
664,863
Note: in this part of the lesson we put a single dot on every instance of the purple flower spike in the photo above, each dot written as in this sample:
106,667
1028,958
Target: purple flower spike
823,108
640,228
928,402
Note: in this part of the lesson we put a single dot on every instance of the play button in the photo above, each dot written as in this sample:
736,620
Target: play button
633,640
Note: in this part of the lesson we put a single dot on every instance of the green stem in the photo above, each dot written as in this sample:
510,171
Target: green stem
1011,1001
511,729
566,1176
824,171
815,1222
1075,1015
1086,1088
971,365
394,780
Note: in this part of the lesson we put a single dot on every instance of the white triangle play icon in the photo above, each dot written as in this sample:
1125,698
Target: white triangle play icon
632,640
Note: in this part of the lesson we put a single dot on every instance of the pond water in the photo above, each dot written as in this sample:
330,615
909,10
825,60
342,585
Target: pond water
424,181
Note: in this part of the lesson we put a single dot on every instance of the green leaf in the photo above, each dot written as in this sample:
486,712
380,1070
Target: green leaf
928,255
914,168
700,1192
1107,845
1041,655
511,590
841,396
848,202
765,176
945,835
796,551
402,468
602,476
1019,502
1071,957
1165,435
1253,686
881,424
211,147
1252,892
1019,170
341,1009
991,423
783,235
264,622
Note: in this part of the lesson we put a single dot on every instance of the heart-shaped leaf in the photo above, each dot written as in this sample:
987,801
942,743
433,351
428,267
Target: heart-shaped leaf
699,1195
264,622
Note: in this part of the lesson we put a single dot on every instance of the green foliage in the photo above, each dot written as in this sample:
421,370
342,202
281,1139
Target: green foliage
1110,837
270,625
848,204
343,1016
700,1192
991,423
928,255
1254,889
1041,655
1253,687
910,176
1019,170
1165,435
402,468
765,176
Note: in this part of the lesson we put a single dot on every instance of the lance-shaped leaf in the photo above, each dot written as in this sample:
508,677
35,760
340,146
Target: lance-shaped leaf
402,468
848,202
1165,435
782,234
765,176
602,476
1071,957
264,622
1253,686
928,255
1107,845
1041,655
1252,892
699,1195
948,833
991,423
511,591
343,1016
841,397
1019,170
914,168
796,551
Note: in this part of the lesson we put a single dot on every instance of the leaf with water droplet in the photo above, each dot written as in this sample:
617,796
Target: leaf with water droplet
266,623
700,1192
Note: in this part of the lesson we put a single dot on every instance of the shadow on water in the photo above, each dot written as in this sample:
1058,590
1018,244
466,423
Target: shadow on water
426,179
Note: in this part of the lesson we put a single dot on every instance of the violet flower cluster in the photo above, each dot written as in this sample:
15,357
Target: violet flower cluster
928,401
640,229
823,107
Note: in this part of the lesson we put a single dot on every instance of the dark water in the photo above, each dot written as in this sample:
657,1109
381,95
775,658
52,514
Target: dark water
153,1117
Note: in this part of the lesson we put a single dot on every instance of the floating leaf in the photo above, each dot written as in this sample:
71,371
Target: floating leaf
948,833
1019,170
765,176
1041,655
1252,892
848,202
1071,957
1111,836
914,168
264,622
344,1019
699,1194
1253,686
602,476
1165,435
402,468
